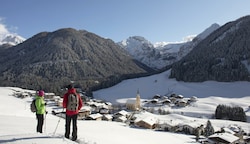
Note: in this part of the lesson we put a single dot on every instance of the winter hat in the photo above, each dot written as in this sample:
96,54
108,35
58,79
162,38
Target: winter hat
41,93
70,86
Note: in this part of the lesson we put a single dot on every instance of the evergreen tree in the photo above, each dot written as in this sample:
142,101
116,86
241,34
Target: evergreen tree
198,132
209,130
230,113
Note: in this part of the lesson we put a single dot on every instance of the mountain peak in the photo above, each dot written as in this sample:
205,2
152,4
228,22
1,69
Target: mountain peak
9,38
208,31
12,39
135,40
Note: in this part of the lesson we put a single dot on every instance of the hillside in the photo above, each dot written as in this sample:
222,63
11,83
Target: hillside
222,56
161,84
50,60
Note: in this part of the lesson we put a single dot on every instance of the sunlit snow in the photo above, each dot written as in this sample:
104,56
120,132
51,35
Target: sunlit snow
18,124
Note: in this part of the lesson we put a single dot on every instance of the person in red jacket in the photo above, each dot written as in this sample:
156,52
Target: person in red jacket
71,115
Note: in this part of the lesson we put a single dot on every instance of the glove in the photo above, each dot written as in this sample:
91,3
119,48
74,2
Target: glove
46,112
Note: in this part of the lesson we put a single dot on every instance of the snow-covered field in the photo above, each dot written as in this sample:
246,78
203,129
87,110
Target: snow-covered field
18,124
161,84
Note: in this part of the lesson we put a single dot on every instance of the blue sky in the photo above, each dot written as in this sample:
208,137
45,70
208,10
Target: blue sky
156,20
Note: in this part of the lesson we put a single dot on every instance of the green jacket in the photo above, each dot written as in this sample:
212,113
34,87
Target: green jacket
40,105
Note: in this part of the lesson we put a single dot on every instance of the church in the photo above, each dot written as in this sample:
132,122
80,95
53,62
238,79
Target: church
135,103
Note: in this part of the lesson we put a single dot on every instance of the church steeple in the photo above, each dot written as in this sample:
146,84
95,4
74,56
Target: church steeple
138,100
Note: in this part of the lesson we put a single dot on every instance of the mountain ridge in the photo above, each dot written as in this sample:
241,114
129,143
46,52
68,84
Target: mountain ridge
222,56
50,60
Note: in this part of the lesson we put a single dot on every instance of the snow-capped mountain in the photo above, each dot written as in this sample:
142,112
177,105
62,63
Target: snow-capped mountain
187,47
10,38
208,31
162,54
142,50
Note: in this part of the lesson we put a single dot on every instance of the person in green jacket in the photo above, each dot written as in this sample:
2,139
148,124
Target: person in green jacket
40,111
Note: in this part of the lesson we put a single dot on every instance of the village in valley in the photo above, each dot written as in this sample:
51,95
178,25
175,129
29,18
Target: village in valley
148,114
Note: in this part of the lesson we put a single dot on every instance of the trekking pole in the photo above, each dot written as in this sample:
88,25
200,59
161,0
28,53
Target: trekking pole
58,122
45,123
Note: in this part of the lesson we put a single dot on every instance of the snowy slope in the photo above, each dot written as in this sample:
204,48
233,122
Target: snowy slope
208,31
161,84
209,93
18,126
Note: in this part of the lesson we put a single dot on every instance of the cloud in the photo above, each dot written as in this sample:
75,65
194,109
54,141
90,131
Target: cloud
3,29
8,35
189,38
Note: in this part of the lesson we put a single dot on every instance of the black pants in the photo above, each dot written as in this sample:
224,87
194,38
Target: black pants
67,126
40,119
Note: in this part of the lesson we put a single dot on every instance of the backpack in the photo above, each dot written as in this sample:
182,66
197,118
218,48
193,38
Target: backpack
33,106
73,101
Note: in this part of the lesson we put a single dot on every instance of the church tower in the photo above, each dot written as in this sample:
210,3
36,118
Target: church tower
138,100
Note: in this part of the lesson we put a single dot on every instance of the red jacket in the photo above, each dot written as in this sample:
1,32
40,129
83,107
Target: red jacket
65,101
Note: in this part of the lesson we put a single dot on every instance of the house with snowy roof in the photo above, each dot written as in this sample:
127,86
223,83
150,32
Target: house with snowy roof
164,127
121,119
157,96
121,113
107,117
166,102
104,110
181,103
97,117
223,138
121,116
149,123
84,112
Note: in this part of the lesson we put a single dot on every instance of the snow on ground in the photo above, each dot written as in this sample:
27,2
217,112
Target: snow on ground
18,124
161,84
